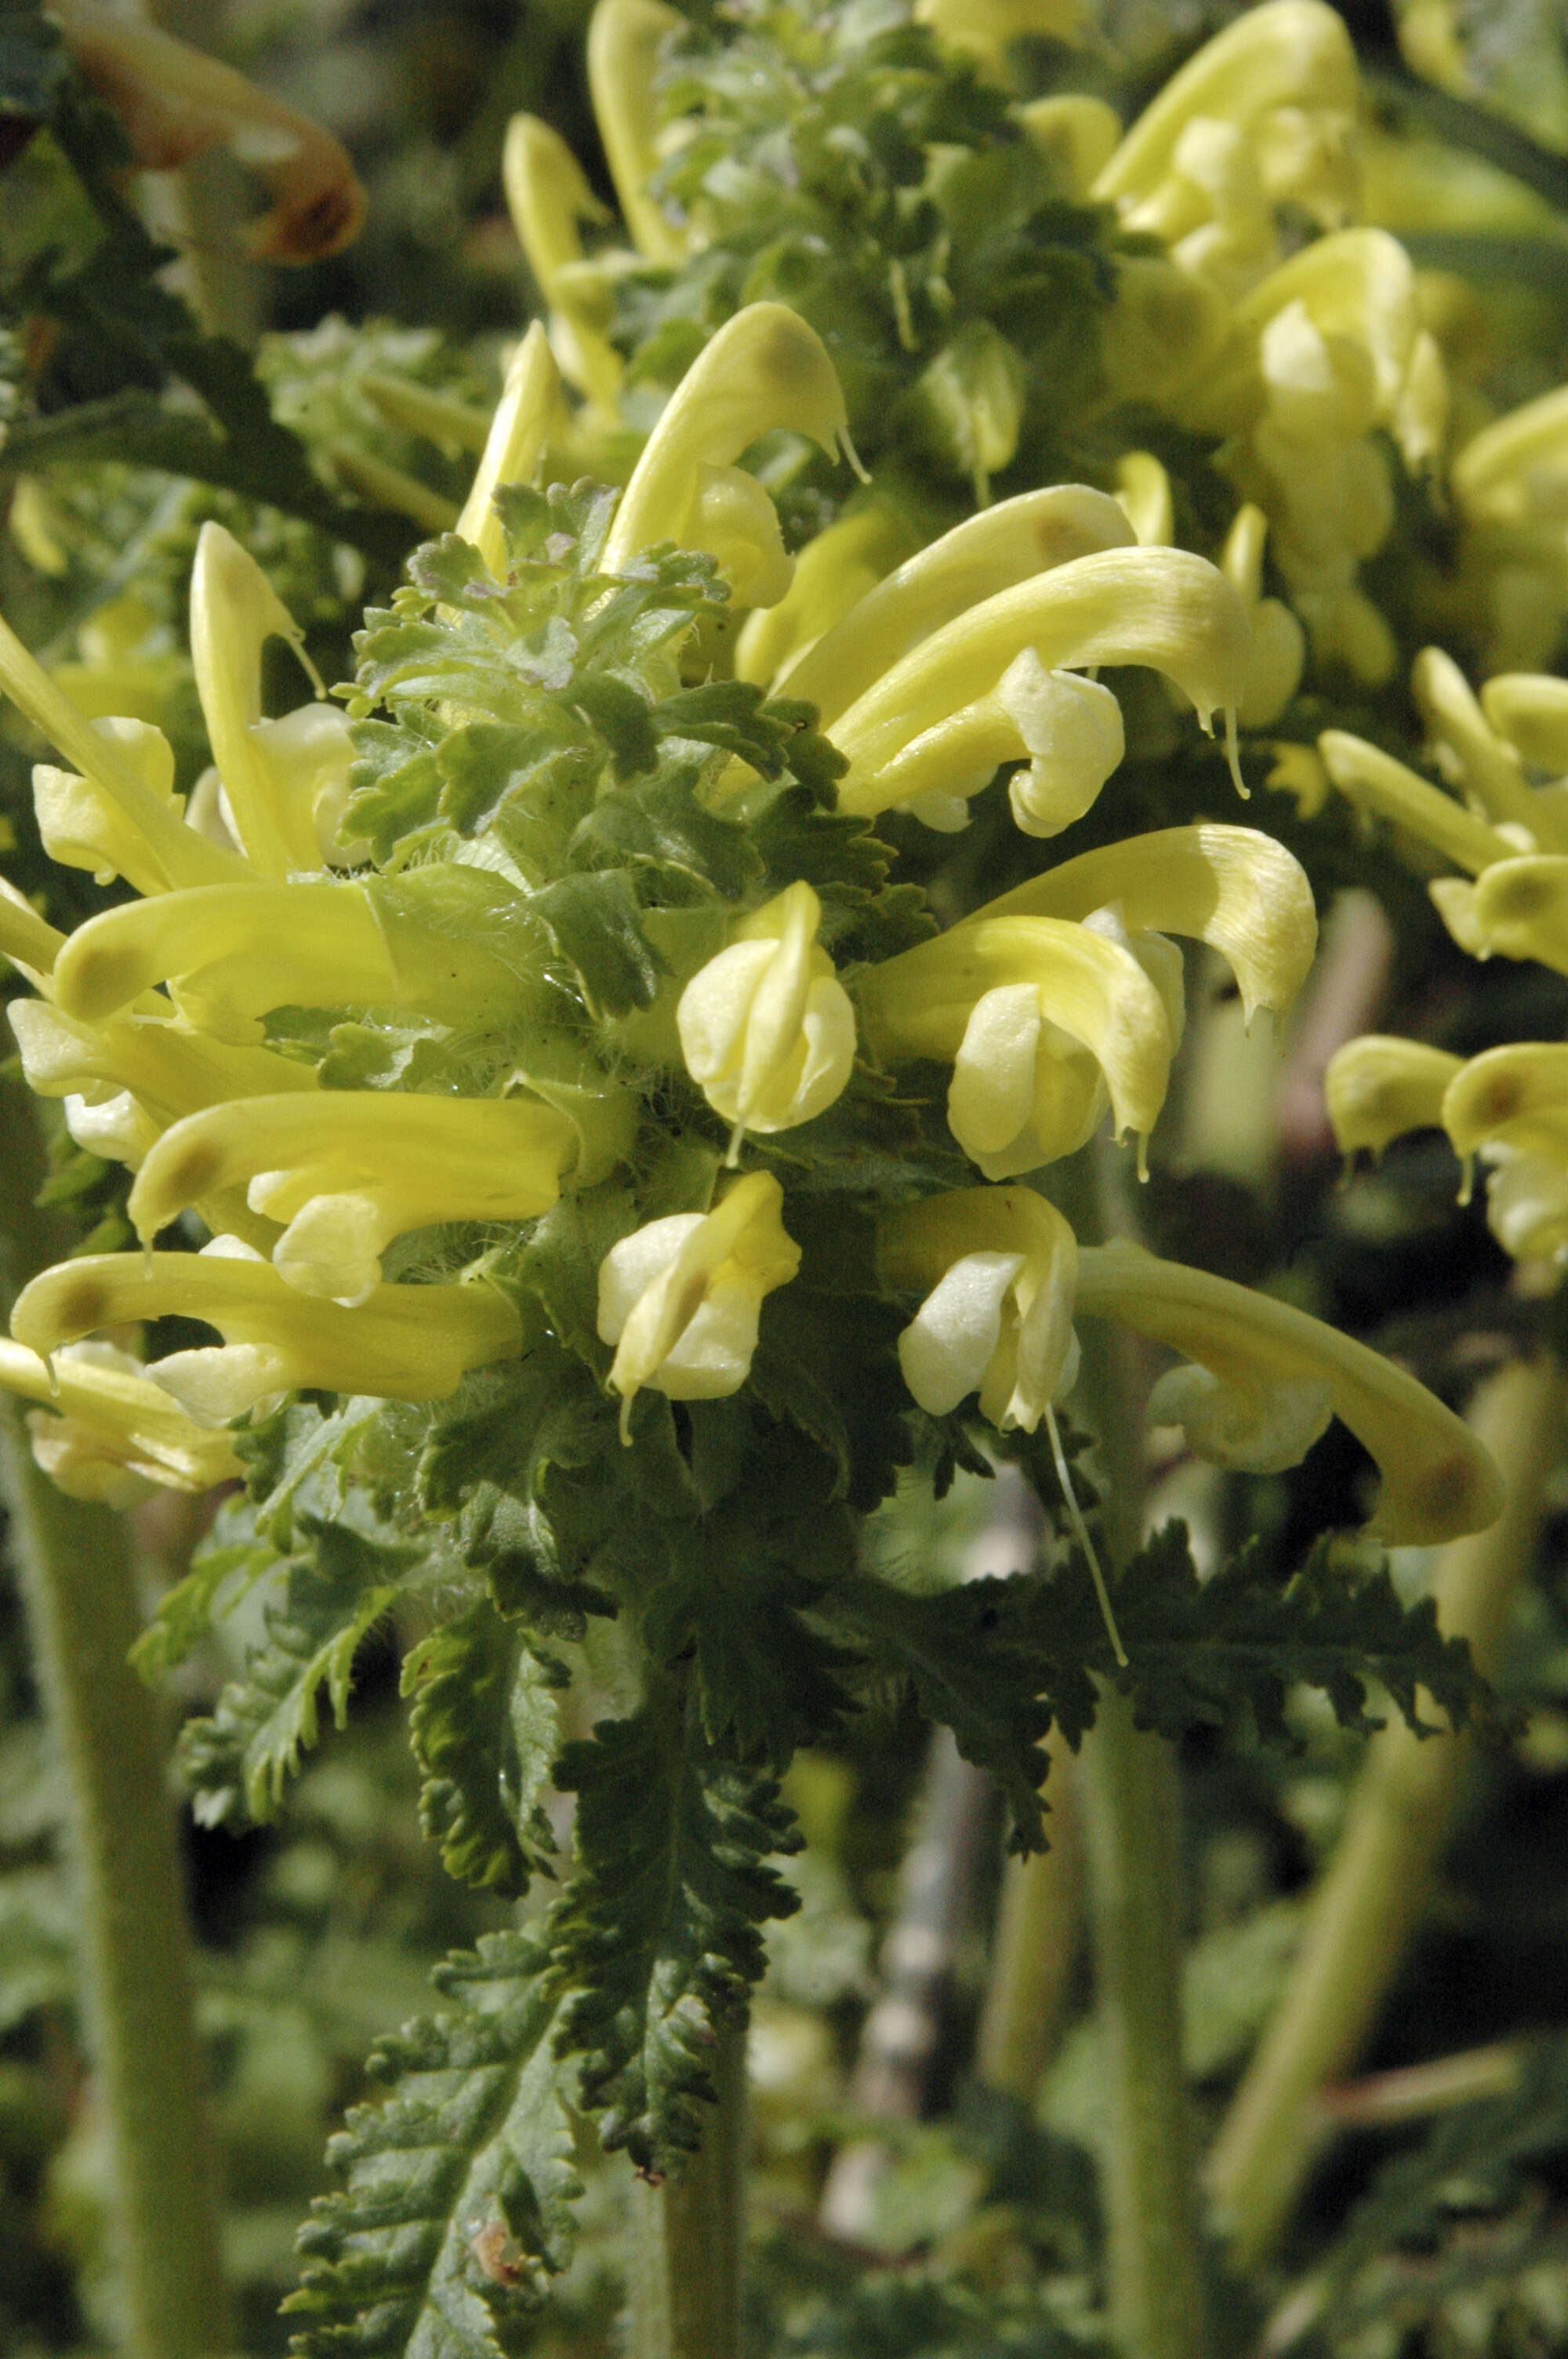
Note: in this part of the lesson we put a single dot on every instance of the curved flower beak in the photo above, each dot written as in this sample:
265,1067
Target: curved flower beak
406,1343
1232,888
993,995
1520,908
1530,709
1377,1088
999,1269
624,40
110,1431
680,1298
995,550
1270,1367
765,368
234,612
1515,1096
530,401
766,1028
943,718
350,1170
547,194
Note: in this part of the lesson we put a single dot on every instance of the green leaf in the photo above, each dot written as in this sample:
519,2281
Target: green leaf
483,1727
239,1760
185,1612
976,1659
663,826
458,2205
659,1932
596,925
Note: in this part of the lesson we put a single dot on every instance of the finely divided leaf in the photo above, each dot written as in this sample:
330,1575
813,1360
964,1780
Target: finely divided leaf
459,2185
660,1933
483,1726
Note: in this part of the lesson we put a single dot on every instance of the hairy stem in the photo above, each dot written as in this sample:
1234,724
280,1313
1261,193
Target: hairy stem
1375,1890
689,2233
1036,1941
1132,1818
75,1568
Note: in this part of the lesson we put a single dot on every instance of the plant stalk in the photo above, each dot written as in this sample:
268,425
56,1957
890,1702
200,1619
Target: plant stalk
74,1564
689,2235
1039,1920
75,1568
1375,1890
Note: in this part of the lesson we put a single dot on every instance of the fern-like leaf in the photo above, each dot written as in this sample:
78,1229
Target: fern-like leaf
660,1932
457,2208
483,1728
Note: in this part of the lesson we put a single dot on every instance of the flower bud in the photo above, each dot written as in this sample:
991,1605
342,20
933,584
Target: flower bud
1375,781
547,194
624,41
765,368
999,1267
1530,711
1520,909
406,1343
680,1298
105,1431
934,723
1266,1357
766,1028
1278,643
1376,1088
1515,471
969,403
1144,490
1467,749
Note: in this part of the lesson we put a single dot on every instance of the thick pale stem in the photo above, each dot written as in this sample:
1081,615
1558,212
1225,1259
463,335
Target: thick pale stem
1131,1813
74,1565
1131,1816
689,2235
75,1568
1039,1921
1375,1890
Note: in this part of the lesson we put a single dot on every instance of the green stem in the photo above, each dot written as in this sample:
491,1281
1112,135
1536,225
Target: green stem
75,1568
1039,1919
689,2233
1375,1890
74,1563
1132,1818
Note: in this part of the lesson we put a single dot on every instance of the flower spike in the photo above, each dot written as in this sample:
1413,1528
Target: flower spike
680,1298
350,1170
766,1028
406,1343
1266,1361
941,718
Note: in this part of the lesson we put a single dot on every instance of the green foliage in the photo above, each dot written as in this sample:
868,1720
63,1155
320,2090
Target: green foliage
483,1728
456,2205
658,1933
240,1759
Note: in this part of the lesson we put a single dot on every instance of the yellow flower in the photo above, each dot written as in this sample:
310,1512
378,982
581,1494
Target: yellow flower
995,550
1377,1088
530,402
105,1431
350,1170
766,1028
985,28
404,1342
999,681
624,38
1273,1375
1144,490
1278,644
833,573
999,1267
680,1298
765,368
547,194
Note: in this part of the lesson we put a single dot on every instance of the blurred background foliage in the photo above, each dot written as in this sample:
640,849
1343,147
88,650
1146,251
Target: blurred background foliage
1431,2229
